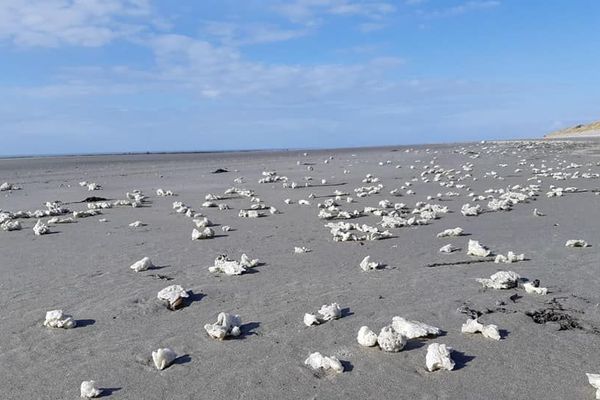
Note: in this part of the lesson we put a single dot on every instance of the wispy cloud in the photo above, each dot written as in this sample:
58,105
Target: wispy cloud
220,71
50,23
239,34
460,9
201,73
311,11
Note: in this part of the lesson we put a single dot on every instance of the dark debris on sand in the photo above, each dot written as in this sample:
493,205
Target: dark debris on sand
564,317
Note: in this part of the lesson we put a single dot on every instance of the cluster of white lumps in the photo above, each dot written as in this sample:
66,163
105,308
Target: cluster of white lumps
227,266
392,338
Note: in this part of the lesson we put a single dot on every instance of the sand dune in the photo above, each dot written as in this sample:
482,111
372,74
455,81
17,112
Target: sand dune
577,131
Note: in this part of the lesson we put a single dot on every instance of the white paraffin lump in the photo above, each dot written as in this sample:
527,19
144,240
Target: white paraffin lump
530,287
367,265
501,280
249,214
137,224
438,357
576,243
300,250
538,213
11,226
449,248
390,340
227,266
226,325
163,193
8,186
366,337
202,222
248,262
86,213
458,231
470,211
413,329
594,380
318,361
57,220
142,265
474,326
173,296
511,257
477,250
57,319
325,313
206,233
89,390
40,228
311,319
329,312
163,358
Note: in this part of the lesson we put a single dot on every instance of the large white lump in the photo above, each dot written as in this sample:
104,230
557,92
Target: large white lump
511,257
163,358
414,329
57,319
317,361
89,390
474,326
11,226
458,231
477,250
40,228
227,266
501,280
438,357
390,340
367,265
576,243
173,296
327,312
534,287
226,325
142,265
205,233
448,248
594,380
366,337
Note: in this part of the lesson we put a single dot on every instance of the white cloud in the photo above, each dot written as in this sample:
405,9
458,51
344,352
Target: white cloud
50,23
238,34
468,6
310,11
183,64
222,71
371,26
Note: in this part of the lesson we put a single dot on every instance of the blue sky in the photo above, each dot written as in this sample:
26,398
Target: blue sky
87,76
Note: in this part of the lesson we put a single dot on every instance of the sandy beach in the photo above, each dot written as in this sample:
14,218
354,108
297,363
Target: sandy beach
83,269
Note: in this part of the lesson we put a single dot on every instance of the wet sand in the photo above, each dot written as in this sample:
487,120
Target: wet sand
83,268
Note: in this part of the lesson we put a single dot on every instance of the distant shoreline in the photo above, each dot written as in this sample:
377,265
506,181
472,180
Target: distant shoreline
245,151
